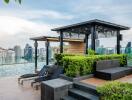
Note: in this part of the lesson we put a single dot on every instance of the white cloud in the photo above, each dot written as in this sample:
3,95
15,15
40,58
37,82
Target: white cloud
51,14
110,10
18,31
13,25
17,24
36,14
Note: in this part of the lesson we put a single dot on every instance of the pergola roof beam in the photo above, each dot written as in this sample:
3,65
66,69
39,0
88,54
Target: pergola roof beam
87,23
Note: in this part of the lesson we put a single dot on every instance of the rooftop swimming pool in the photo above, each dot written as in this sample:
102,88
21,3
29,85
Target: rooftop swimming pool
18,69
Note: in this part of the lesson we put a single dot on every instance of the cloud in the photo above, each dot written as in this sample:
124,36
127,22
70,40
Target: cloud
18,31
13,25
36,14
21,24
110,10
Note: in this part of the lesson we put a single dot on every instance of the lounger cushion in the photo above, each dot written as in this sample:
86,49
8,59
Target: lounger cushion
28,75
106,64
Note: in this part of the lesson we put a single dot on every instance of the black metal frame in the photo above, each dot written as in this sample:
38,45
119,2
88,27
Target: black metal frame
47,52
36,53
86,43
90,27
118,41
36,58
61,41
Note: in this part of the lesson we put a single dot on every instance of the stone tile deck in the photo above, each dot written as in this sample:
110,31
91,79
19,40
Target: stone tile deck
98,82
10,90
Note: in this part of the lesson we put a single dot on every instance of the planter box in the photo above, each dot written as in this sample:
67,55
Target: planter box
55,89
75,79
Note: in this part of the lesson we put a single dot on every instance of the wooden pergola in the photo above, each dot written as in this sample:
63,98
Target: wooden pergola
49,39
93,28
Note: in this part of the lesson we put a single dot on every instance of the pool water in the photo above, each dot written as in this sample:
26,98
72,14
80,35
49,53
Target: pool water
18,69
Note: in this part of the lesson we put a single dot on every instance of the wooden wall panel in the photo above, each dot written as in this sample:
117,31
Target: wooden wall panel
76,47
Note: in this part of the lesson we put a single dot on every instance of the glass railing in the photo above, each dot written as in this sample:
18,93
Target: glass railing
128,51
7,58
111,50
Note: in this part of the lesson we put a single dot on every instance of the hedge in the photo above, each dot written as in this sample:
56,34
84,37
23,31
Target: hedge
59,58
75,66
115,91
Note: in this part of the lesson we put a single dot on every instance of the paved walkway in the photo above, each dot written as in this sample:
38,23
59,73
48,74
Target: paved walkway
98,82
10,90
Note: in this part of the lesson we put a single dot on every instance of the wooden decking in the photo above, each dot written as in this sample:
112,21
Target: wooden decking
98,82
10,90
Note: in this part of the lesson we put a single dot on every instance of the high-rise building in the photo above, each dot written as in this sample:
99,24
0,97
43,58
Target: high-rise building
10,56
97,43
50,53
128,48
18,53
28,52
42,51
2,55
42,54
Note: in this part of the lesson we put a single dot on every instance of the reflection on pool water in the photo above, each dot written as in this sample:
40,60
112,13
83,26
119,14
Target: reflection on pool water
18,69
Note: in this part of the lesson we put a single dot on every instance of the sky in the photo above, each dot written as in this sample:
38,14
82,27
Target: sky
33,18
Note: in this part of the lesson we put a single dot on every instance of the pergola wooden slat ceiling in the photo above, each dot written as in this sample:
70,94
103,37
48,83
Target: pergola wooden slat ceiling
55,39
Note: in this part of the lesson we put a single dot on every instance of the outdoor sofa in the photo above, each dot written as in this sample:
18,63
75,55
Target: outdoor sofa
111,70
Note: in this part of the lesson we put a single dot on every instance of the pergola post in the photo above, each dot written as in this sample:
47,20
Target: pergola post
118,41
93,34
61,41
86,43
36,58
47,52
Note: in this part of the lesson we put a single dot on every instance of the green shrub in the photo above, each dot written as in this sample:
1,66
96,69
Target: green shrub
91,52
115,91
59,57
77,66
83,65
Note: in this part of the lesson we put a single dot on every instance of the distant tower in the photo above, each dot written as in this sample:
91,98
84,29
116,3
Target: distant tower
97,43
50,53
18,53
128,48
10,56
42,54
28,52
2,56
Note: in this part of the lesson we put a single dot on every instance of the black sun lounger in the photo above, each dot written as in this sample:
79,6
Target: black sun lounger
53,73
42,73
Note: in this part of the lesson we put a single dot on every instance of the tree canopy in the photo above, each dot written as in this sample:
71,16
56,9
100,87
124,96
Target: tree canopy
7,1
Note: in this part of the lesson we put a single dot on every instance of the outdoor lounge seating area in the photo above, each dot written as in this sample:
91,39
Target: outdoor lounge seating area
66,50
85,88
111,70
48,72
68,78
34,76
86,65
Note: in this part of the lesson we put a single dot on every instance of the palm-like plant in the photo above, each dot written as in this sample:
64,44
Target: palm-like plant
7,1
